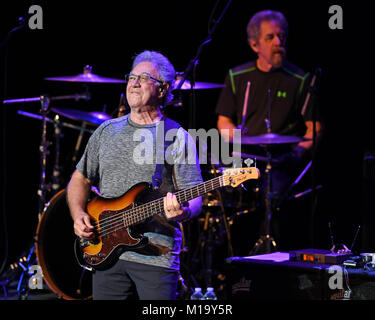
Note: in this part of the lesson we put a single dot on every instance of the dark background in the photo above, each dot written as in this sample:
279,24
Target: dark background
108,34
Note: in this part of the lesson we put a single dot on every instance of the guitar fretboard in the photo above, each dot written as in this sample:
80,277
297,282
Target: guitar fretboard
147,210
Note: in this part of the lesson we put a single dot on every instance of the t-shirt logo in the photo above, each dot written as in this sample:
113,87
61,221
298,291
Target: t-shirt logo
281,94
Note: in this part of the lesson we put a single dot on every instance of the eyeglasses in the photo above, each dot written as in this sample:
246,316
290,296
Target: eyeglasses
142,78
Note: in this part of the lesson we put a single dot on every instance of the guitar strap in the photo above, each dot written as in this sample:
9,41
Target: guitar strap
162,154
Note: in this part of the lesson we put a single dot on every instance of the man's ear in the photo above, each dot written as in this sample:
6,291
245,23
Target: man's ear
253,45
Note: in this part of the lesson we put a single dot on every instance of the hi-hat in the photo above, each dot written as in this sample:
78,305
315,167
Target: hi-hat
270,138
198,85
94,117
86,77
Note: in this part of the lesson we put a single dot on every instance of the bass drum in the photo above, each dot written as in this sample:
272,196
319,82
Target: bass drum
55,252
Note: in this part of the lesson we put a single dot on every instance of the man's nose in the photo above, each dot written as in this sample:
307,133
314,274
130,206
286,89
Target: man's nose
277,40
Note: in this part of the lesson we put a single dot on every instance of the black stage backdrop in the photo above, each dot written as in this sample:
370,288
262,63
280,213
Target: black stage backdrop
106,35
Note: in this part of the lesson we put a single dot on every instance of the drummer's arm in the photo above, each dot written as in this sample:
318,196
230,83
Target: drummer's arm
309,135
77,195
224,122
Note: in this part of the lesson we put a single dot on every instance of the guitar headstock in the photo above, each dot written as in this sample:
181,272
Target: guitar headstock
235,176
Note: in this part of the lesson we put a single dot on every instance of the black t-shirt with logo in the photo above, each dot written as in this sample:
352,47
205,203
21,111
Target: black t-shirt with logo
282,91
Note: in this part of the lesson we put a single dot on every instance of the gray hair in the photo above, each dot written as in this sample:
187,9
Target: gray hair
253,27
165,68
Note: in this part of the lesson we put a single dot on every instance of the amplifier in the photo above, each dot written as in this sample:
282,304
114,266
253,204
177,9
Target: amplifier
275,277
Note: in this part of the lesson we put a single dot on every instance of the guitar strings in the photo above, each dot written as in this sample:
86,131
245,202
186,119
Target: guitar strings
185,191
117,221
130,217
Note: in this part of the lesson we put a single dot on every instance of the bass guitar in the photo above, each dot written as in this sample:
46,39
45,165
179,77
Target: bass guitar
114,219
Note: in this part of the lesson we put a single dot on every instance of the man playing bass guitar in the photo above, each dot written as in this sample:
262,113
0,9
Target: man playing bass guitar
119,155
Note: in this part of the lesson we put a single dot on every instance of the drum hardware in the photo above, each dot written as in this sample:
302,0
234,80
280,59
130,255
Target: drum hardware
203,254
187,85
19,273
123,109
266,240
199,252
177,100
214,224
92,117
62,123
254,156
56,173
86,77
22,288
266,141
45,101
225,220
78,143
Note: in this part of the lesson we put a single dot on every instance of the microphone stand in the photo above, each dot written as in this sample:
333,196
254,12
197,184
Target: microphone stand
193,64
191,67
313,91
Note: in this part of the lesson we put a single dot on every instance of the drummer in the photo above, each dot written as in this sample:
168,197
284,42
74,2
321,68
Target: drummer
275,91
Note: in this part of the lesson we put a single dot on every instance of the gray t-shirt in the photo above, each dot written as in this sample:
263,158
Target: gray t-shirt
121,154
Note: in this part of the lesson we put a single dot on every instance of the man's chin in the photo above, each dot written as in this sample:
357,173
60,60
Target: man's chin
278,60
277,63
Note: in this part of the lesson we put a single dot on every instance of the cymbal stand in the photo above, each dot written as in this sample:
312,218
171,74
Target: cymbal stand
56,174
266,240
31,260
43,148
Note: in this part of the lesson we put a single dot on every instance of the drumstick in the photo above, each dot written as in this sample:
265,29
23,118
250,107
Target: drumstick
244,109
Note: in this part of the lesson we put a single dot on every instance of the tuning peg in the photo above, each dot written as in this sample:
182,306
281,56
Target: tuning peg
249,162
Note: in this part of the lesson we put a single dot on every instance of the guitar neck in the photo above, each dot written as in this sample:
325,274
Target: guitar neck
147,210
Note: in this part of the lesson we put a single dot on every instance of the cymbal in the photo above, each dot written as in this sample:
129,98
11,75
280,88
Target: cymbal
94,117
270,138
86,77
198,85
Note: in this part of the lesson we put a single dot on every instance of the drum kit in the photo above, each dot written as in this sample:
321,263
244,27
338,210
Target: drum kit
61,273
